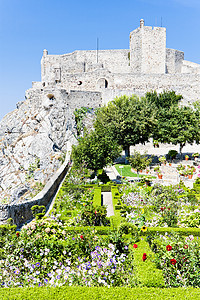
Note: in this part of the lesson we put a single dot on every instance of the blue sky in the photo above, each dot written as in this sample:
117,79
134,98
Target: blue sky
61,26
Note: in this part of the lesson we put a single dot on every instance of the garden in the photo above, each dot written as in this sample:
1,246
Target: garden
151,241
148,247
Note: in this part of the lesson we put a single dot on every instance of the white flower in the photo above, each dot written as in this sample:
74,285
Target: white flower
47,230
59,271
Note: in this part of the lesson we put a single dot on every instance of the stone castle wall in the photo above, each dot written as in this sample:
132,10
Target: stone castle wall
147,65
148,50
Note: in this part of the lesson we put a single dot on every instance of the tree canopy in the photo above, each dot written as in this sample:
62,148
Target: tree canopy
95,151
178,125
128,120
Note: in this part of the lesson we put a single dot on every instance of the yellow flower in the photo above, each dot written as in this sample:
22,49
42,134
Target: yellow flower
144,228
143,211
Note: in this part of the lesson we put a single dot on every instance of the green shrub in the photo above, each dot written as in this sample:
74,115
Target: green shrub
38,211
100,293
105,188
97,196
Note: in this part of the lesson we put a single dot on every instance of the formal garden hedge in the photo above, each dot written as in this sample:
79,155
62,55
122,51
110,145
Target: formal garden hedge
42,255
85,293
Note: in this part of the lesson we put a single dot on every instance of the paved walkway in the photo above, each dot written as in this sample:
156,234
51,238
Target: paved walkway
107,201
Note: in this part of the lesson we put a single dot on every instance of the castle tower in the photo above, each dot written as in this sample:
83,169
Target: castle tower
148,49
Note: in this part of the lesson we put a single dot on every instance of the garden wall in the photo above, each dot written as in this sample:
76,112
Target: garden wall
20,213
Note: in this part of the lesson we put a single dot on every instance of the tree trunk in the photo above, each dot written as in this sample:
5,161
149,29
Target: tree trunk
180,150
127,153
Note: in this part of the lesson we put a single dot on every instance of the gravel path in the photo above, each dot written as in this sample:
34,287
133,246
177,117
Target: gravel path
107,201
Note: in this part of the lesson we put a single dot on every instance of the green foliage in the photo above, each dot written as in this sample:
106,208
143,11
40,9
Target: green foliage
94,216
97,196
7,229
147,273
103,177
139,161
128,120
38,211
178,125
32,167
95,151
163,100
10,221
178,257
99,293
129,228
79,115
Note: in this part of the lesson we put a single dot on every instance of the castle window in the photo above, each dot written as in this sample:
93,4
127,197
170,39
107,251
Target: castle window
102,83
57,72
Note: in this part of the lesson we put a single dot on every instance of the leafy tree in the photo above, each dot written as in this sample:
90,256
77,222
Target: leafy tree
128,120
163,100
95,151
178,125
139,161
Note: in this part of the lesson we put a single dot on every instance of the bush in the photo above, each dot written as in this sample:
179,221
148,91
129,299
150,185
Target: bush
38,211
172,154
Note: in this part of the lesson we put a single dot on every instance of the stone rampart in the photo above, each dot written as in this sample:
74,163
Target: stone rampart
21,213
185,84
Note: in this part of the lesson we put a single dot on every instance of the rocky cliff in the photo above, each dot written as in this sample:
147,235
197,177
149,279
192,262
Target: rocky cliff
34,138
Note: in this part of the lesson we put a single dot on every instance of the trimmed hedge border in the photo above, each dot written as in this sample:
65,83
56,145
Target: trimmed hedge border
97,196
147,274
181,231
85,293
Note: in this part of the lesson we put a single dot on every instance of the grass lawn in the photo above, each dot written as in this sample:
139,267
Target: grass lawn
126,171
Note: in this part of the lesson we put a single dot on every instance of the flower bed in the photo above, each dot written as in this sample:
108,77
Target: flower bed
69,248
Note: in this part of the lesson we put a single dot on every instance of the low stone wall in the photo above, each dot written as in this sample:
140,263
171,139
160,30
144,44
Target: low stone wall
20,213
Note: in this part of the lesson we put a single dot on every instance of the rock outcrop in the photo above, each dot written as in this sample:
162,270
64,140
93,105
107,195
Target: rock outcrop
35,137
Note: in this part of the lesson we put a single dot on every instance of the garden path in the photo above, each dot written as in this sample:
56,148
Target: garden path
107,201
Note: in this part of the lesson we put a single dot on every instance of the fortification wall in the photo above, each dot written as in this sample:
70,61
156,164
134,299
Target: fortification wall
174,61
21,213
184,84
57,67
190,67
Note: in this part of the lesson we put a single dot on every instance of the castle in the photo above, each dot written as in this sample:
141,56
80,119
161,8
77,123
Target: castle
43,126
147,65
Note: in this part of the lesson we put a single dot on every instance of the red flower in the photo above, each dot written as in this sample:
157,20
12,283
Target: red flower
135,246
169,208
185,246
173,261
144,256
162,208
82,237
169,247
17,233
95,212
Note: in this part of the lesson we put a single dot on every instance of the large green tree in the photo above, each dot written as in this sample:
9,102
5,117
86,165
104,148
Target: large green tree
127,120
163,100
95,151
178,125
